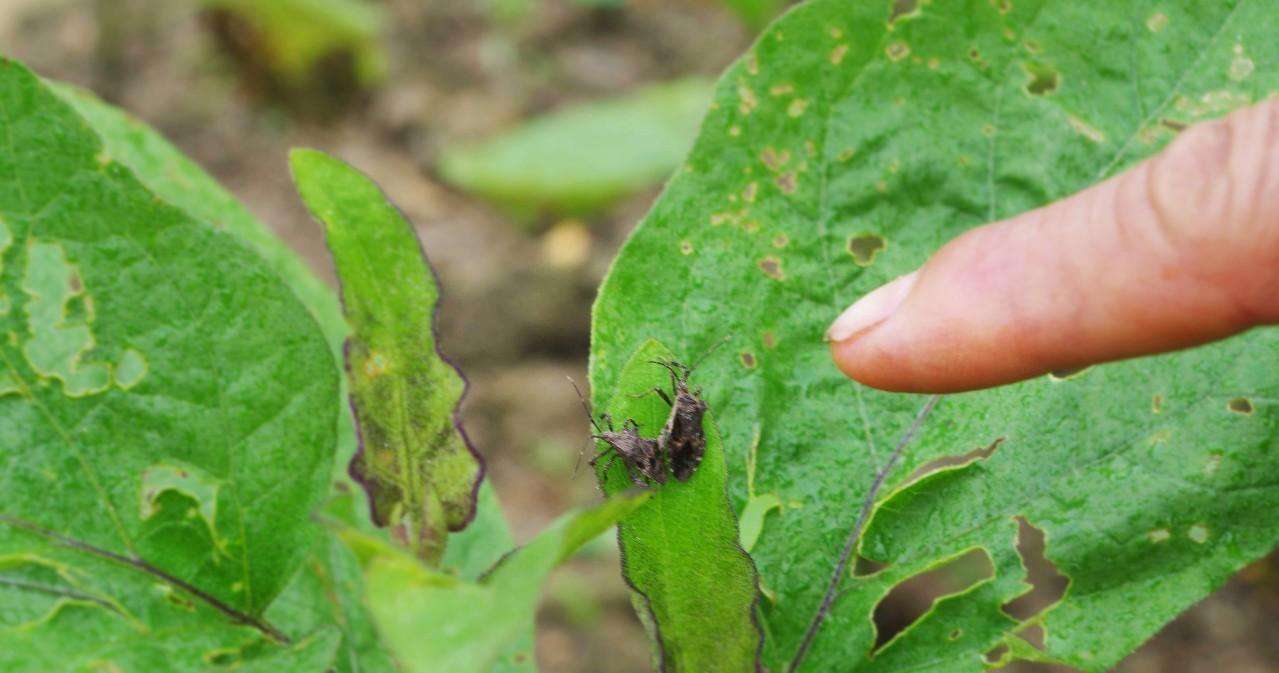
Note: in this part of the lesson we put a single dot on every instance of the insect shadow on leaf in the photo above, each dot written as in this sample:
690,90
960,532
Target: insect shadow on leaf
644,460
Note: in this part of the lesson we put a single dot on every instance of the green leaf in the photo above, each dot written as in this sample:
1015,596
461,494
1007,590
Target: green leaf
298,36
843,150
415,463
181,182
176,179
471,623
695,584
582,158
167,418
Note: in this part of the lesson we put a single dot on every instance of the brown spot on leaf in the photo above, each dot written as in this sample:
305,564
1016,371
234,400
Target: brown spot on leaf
772,267
786,182
780,240
769,339
748,359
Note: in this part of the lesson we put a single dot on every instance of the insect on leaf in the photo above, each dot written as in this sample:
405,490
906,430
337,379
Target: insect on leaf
414,461
851,142
695,585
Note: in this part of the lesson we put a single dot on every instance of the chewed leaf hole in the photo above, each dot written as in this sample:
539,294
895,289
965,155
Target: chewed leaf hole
1048,585
865,247
998,654
865,567
902,9
1042,79
1240,405
1068,373
979,453
913,598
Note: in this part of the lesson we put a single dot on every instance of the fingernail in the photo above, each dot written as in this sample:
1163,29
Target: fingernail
872,309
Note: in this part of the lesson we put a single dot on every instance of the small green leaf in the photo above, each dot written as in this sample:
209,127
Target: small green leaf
419,471
753,514
440,623
681,551
582,158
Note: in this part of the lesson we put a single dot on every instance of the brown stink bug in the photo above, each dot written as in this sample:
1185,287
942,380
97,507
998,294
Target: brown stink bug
639,455
682,439
642,457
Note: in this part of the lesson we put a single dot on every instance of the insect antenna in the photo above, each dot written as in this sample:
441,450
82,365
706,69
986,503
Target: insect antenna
590,416
709,352
586,406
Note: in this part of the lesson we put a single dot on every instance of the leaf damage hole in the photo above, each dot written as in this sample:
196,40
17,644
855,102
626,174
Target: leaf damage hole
1068,373
1048,585
938,464
1042,79
902,9
865,247
913,598
865,567
1240,405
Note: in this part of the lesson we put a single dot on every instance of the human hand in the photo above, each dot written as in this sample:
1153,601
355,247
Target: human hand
1180,250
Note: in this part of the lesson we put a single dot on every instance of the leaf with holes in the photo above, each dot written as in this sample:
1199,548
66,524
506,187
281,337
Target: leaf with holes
694,584
416,465
167,417
852,141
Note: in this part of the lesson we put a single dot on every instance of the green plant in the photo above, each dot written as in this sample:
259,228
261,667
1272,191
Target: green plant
170,400
849,143
579,159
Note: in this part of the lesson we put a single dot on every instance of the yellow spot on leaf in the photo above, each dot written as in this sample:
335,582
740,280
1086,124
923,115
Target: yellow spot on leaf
835,33
686,247
748,194
1158,535
897,51
746,97
837,54
734,131
780,241
1198,533
1084,129
781,90
375,365
1242,66
1156,22
797,107
1212,464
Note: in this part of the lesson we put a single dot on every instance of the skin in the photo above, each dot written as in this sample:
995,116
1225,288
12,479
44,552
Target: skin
1178,251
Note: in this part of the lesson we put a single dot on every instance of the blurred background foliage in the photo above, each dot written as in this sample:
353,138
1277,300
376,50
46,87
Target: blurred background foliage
524,138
